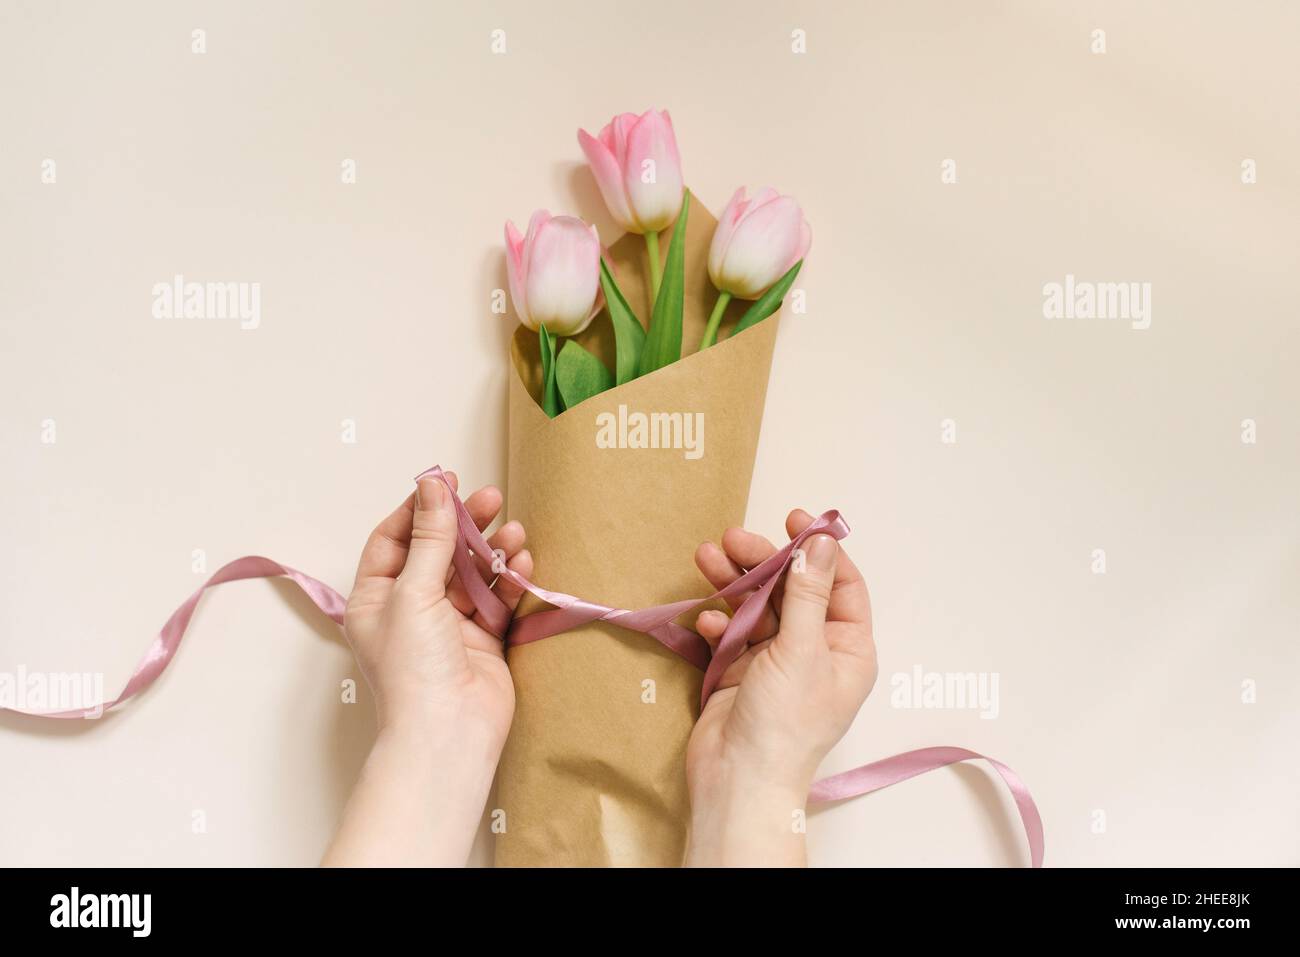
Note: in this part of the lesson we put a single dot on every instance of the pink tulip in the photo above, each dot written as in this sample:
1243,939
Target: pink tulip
756,242
554,273
638,169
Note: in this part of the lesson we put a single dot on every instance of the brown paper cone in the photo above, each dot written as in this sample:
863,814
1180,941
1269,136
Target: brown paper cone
593,773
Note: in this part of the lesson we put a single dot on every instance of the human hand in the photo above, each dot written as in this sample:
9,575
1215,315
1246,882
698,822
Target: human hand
425,651
443,693
782,704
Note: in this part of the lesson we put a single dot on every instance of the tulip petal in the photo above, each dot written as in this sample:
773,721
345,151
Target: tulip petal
762,246
563,274
764,196
535,223
731,214
606,136
652,152
805,242
604,167
515,273
619,128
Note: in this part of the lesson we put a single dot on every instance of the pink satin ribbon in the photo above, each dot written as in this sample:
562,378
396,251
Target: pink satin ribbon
571,612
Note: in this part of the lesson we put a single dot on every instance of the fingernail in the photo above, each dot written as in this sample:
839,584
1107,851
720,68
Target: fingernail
821,552
429,494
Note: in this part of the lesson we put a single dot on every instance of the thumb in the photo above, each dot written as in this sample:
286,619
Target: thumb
433,540
807,596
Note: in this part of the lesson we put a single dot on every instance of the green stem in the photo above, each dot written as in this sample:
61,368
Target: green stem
711,330
656,268
550,389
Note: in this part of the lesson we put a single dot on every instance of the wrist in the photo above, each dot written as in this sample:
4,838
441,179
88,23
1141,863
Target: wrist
464,747
444,726
743,819
419,801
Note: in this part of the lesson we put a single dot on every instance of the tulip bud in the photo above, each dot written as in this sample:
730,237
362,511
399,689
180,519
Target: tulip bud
756,242
638,169
554,273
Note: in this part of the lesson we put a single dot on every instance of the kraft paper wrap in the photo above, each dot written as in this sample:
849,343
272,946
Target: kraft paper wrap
593,774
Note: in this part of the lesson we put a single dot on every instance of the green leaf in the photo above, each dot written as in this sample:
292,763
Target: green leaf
550,394
663,343
629,336
770,301
580,375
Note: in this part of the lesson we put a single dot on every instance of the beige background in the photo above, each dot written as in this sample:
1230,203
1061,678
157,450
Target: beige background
1119,693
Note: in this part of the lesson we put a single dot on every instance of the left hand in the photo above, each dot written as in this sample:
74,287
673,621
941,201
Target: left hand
422,646
444,694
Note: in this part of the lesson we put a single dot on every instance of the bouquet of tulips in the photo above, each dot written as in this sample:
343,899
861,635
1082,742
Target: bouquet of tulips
610,472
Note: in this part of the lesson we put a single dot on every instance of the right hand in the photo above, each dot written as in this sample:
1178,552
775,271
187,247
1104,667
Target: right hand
782,704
